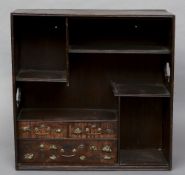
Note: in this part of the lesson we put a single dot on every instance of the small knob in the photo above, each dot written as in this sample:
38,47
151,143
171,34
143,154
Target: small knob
53,157
41,145
58,130
28,156
136,26
62,150
82,157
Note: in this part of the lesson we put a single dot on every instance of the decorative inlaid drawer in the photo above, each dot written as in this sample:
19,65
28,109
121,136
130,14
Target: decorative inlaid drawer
93,130
39,129
68,152
52,130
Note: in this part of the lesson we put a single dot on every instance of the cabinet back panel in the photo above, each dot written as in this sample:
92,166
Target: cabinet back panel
90,81
90,31
141,123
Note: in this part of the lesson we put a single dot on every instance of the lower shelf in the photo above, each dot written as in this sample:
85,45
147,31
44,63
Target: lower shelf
67,114
58,167
142,157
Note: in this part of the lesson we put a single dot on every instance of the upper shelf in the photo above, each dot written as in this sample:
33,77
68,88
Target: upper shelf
140,90
41,76
118,47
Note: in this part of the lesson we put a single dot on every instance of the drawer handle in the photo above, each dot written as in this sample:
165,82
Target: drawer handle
106,157
42,130
53,157
106,148
28,156
70,155
25,128
74,150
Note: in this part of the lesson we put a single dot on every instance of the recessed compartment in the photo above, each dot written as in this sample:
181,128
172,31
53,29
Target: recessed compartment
119,35
143,134
41,48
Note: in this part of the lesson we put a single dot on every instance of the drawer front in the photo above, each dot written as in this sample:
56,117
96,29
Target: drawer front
39,129
93,130
68,152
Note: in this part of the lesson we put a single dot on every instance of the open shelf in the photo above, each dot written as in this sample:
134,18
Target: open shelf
140,90
65,114
41,76
120,47
142,157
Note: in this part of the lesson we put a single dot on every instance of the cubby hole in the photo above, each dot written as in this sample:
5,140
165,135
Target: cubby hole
117,35
40,51
143,132
48,100
141,75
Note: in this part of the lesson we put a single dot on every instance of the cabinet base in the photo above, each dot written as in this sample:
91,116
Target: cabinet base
21,166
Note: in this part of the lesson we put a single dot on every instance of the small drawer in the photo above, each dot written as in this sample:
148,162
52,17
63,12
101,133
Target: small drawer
93,130
68,152
38,129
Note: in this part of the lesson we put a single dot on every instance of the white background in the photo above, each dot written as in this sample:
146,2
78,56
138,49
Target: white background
6,119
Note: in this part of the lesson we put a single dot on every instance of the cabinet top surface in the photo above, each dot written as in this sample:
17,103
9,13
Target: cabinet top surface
88,12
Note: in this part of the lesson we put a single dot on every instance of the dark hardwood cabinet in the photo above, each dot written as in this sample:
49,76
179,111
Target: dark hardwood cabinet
93,89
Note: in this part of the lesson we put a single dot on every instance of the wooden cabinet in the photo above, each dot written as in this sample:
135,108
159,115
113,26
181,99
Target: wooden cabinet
93,89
